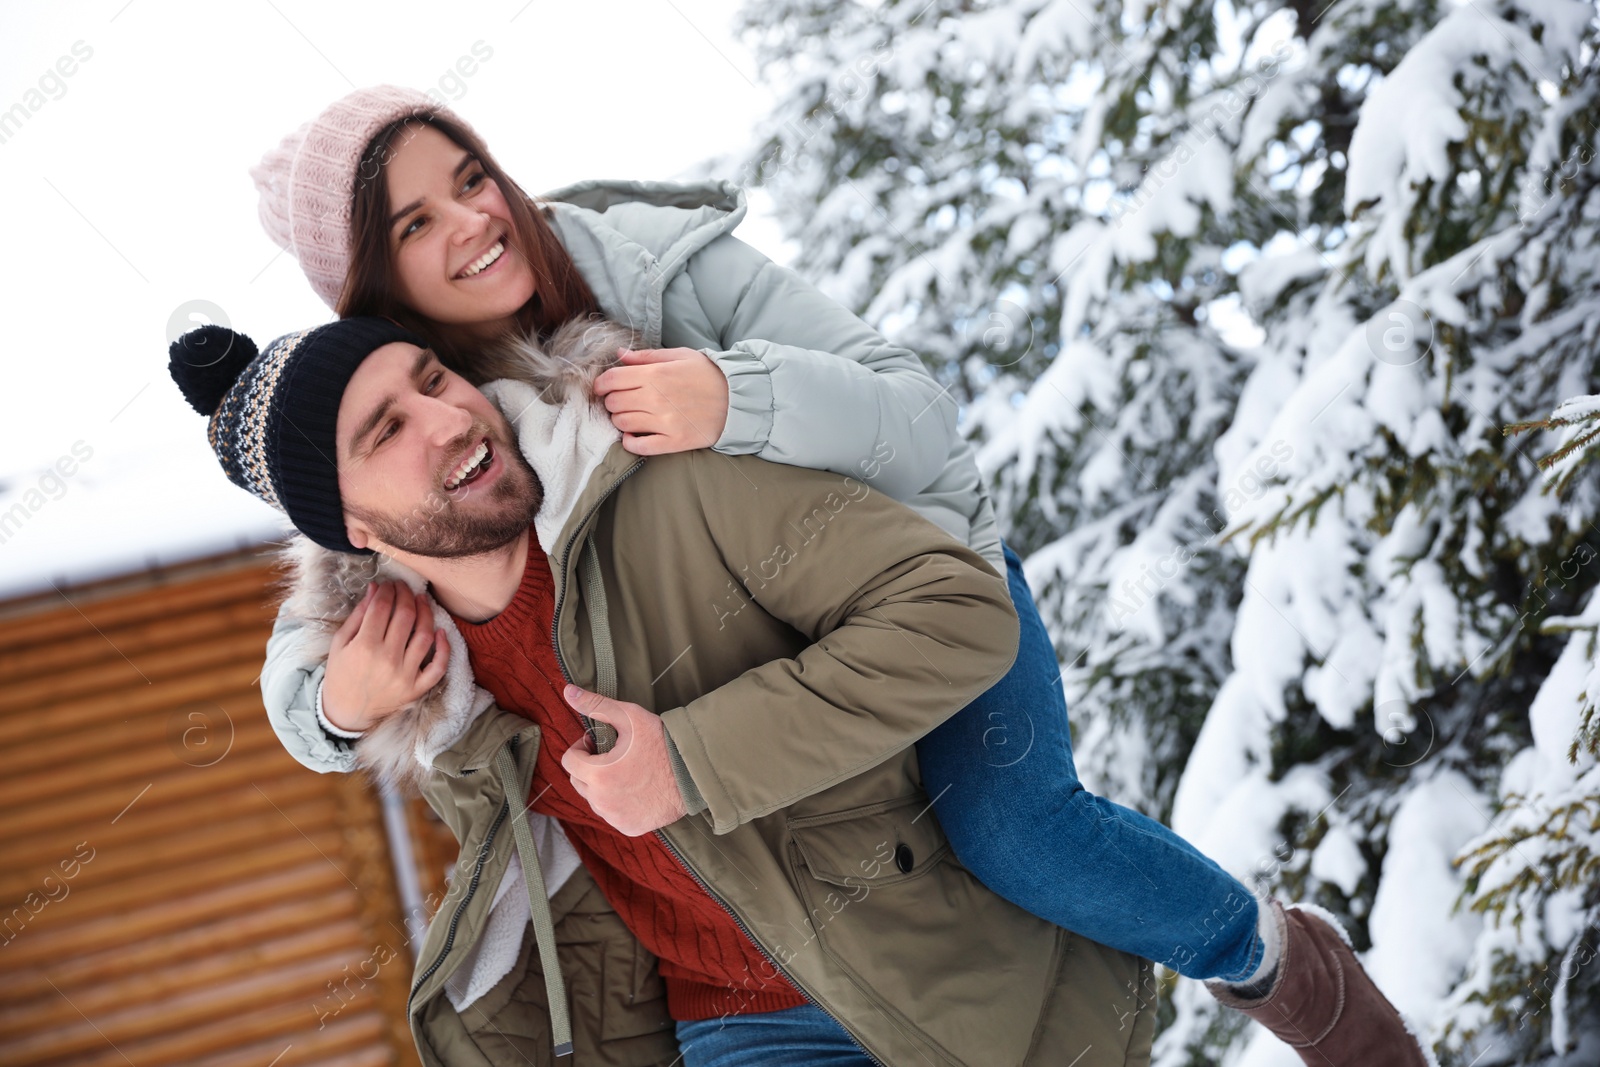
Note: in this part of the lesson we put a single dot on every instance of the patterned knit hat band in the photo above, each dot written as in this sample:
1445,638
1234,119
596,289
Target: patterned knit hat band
274,414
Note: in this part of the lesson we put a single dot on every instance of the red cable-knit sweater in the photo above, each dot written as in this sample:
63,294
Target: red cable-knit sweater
710,967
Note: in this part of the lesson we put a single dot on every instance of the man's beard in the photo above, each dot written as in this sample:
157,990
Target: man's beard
438,528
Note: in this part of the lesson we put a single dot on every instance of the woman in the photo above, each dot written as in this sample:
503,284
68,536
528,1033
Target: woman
395,208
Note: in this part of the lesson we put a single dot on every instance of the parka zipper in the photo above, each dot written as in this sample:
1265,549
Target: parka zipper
555,644
555,616
776,966
505,807
472,888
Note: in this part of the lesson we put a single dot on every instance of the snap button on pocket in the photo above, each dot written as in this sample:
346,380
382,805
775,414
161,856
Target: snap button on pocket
873,846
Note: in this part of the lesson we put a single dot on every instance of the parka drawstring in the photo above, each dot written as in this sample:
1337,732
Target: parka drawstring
544,929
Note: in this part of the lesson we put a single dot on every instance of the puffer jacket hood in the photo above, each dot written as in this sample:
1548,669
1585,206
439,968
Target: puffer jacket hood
629,248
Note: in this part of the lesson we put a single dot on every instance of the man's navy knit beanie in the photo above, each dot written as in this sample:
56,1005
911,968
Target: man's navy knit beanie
273,413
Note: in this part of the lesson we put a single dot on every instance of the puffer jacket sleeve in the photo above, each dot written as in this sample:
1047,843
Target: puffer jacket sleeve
290,681
812,385
908,626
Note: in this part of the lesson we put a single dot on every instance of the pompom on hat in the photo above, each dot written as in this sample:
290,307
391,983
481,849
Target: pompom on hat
307,183
274,412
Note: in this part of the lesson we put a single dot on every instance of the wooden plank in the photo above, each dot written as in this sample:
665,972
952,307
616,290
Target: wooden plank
117,672
167,947
61,618
356,1041
68,814
274,1038
211,967
90,646
160,695
301,822
289,993
235,904
85,716
151,820
143,766
184,729
155,909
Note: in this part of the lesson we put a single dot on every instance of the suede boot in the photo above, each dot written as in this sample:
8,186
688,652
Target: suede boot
1321,1003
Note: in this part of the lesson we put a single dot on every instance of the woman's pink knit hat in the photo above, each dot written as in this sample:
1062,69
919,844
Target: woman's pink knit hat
308,182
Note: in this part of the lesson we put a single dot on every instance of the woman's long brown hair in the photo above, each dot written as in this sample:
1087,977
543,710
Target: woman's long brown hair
371,288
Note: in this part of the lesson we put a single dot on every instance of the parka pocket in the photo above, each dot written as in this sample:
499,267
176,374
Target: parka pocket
871,847
889,905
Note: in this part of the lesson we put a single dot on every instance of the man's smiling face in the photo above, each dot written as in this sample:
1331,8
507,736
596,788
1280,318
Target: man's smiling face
427,464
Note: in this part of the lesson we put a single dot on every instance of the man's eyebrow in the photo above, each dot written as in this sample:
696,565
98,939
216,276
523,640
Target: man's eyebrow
374,420
371,422
466,161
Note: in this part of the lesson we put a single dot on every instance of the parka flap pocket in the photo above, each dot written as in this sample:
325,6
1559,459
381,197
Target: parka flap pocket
876,845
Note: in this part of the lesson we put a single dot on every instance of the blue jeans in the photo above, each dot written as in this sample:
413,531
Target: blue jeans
1009,799
805,1036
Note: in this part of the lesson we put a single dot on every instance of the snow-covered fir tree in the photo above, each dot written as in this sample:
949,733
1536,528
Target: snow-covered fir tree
1240,301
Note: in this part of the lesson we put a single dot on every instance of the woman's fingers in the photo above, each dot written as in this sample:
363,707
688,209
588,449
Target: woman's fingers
387,616
618,379
418,644
652,444
639,422
640,356
401,620
644,370
676,393
624,400
424,670
434,669
379,608
352,623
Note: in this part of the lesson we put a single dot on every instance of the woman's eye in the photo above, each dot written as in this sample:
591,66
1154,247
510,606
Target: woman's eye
474,180
410,228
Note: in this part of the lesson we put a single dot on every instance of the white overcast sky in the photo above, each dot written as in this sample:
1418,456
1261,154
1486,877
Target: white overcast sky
127,196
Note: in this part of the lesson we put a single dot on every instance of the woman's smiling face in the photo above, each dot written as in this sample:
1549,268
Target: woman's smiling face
450,233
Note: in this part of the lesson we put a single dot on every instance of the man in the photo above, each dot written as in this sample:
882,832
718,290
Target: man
767,643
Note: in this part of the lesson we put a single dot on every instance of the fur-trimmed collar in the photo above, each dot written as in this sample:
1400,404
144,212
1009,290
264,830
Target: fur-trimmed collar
546,393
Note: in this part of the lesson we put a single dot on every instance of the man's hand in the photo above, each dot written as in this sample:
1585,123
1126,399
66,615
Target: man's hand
379,661
632,787
665,400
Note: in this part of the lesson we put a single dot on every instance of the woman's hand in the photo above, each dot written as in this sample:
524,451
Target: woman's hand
665,400
380,660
